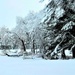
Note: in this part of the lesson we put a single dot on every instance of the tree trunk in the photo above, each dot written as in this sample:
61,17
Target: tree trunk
33,47
73,50
23,46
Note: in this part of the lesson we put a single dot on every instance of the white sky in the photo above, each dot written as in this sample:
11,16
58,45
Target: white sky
10,9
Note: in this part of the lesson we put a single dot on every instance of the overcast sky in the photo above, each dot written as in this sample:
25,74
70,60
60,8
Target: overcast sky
10,9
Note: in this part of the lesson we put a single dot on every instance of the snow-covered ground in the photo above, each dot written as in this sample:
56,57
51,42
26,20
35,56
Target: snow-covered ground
37,66
16,51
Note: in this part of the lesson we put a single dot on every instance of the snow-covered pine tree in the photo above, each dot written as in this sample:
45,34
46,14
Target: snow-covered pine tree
60,19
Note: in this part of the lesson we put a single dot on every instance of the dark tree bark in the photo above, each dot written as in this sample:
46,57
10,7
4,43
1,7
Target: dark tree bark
33,47
73,51
23,45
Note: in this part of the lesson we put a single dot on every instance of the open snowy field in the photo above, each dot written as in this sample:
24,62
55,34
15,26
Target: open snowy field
37,66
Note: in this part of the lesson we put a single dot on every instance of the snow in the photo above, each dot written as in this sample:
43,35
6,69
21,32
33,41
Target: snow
38,66
15,51
55,50
46,2
10,52
68,53
68,25
59,12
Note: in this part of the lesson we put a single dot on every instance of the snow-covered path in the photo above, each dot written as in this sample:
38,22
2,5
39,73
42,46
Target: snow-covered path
18,66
